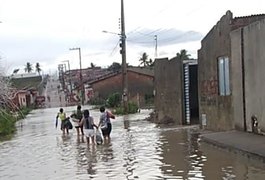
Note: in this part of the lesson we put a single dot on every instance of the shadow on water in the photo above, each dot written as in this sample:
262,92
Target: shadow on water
138,150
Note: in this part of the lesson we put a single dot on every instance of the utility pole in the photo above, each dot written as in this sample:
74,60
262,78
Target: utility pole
81,76
155,37
70,75
124,64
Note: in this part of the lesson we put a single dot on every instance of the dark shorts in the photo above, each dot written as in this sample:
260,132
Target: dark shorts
64,124
107,131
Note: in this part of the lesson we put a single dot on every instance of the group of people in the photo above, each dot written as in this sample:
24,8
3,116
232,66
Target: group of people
84,123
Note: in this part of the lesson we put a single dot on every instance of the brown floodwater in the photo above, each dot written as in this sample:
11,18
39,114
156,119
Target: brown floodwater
138,150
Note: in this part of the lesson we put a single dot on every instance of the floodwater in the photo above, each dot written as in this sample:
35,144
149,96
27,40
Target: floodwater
138,150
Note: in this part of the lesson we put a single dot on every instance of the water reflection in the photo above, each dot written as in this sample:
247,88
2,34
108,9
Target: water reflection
138,150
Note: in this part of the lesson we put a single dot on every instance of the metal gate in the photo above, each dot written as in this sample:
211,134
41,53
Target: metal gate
187,93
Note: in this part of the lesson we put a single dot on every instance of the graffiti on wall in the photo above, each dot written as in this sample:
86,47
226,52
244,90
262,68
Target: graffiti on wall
209,90
209,87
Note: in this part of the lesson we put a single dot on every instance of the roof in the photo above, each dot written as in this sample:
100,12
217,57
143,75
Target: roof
142,70
26,83
148,71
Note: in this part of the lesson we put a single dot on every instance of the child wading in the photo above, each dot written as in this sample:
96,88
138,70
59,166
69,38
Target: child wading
88,124
64,121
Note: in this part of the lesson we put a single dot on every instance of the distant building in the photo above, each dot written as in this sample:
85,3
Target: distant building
24,75
25,89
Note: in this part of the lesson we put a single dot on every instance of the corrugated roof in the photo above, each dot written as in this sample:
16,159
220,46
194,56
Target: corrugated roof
26,83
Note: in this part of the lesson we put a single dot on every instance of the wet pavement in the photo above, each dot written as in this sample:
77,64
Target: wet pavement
138,149
247,143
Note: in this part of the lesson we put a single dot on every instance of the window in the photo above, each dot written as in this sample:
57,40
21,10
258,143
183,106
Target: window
224,83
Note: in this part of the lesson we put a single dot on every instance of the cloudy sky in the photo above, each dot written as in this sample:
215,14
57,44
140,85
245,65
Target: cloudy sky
43,30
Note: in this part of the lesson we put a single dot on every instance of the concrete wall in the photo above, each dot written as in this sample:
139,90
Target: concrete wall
254,58
236,79
217,109
168,91
252,54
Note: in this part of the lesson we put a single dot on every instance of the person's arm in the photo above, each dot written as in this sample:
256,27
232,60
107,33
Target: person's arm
100,120
110,115
56,120
81,122
94,123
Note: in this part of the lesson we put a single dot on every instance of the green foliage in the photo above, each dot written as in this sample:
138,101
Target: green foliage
7,124
183,55
97,101
8,121
132,108
38,69
114,100
28,67
23,112
115,66
145,62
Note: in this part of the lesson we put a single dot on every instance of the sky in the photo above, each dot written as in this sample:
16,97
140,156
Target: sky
43,31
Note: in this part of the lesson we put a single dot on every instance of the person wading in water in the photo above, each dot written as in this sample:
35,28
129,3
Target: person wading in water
88,123
105,123
64,121
77,117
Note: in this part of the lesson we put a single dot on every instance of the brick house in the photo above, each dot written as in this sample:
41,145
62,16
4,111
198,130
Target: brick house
140,84
230,73
25,89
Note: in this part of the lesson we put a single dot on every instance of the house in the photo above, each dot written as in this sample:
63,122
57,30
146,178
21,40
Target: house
176,91
230,74
25,89
140,84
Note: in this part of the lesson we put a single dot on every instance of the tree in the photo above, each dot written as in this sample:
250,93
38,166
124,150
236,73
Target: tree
183,55
15,71
28,67
92,65
144,60
38,69
151,63
114,66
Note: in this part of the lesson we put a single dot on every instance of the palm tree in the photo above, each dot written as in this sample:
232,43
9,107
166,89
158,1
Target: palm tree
183,55
15,71
92,65
151,63
115,66
144,60
28,67
38,69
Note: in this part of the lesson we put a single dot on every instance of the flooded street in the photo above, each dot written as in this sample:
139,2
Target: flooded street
138,150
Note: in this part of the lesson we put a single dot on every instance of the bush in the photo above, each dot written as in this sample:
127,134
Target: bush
114,100
7,123
97,101
132,108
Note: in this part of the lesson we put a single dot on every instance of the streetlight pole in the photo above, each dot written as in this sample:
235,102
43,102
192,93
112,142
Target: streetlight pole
124,64
155,37
70,76
81,76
